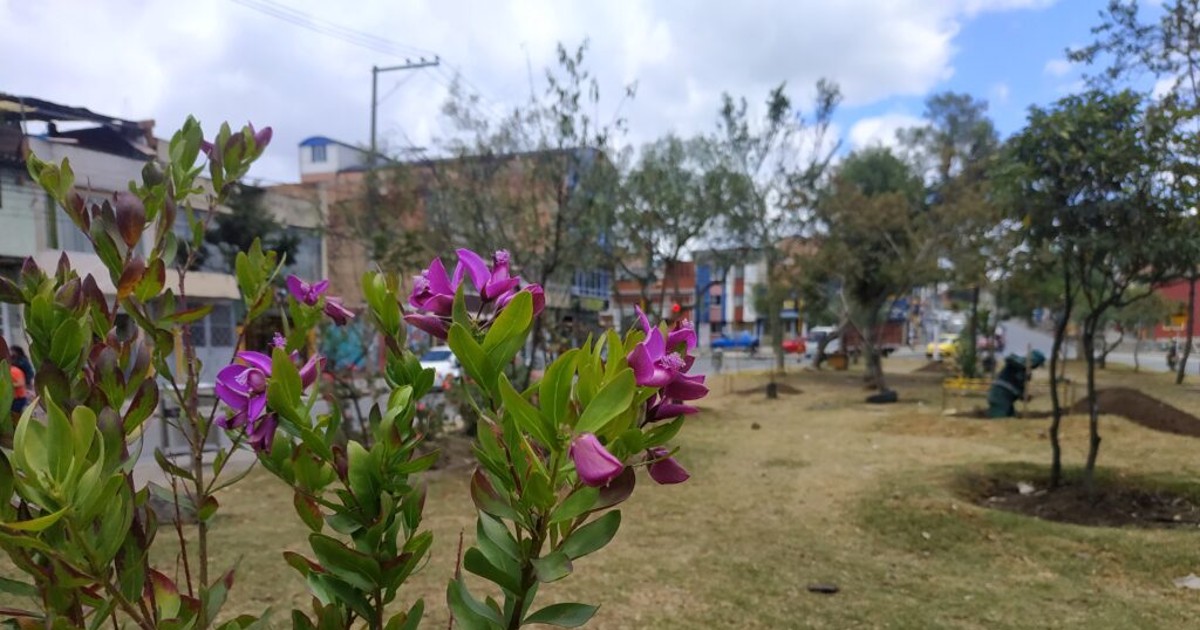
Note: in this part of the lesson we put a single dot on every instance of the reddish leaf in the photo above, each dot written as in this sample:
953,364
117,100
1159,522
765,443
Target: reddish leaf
130,276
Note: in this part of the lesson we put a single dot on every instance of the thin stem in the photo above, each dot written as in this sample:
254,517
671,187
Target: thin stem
187,572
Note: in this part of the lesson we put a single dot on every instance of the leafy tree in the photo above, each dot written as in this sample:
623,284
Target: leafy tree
956,147
537,181
1083,178
664,204
878,239
234,232
781,157
1167,46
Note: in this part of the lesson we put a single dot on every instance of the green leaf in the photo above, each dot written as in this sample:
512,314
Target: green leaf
356,568
613,399
507,334
487,499
166,595
498,534
528,418
663,433
409,620
330,589
593,536
191,315
309,511
144,403
471,354
579,502
458,312
554,392
552,567
207,508
470,613
565,615
538,492
475,562
14,587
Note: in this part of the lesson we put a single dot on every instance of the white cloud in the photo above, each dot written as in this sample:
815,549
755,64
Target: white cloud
880,130
1057,67
1164,86
1000,92
222,60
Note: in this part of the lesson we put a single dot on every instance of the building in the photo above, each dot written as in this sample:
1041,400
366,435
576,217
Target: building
414,195
106,153
672,294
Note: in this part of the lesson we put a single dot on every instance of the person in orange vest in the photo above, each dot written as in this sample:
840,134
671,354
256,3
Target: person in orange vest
20,396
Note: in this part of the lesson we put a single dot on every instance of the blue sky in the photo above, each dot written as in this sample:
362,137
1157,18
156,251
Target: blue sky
1007,58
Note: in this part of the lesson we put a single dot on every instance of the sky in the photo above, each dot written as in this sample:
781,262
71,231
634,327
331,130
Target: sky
249,60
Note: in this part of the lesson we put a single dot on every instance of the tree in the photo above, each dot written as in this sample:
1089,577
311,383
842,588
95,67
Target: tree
537,181
664,204
878,239
1084,179
781,157
229,233
1142,316
1169,49
956,148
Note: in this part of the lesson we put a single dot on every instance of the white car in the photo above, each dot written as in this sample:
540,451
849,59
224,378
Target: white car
445,365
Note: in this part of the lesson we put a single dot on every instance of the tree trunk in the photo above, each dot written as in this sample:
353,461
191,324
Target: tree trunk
1060,332
970,358
1089,348
774,326
1191,314
1137,345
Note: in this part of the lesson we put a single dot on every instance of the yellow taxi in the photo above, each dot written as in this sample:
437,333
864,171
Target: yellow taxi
946,345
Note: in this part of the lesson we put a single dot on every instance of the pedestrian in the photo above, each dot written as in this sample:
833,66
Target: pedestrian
20,360
20,396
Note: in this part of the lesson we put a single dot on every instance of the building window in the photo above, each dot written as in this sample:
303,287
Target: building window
716,300
70,237
318,153
306,259
220,326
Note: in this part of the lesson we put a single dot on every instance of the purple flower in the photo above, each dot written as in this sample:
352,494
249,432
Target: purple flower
278,341
494,283
433,291
652,365
261,433
595,465
242,387
535,290
305,293
310,295
663,409
685,334
261,138
337,312
665,470
437,326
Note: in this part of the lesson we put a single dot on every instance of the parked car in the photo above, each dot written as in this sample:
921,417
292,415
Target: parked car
795,345
741,340
445,365
946,345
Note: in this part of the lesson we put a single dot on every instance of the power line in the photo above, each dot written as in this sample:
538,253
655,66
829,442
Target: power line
332,29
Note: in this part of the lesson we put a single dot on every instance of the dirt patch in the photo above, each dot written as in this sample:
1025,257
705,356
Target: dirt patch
1139,408
935,367
760,390
454,451
1120,501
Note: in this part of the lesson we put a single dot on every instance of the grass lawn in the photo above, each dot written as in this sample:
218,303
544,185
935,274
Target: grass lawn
825,489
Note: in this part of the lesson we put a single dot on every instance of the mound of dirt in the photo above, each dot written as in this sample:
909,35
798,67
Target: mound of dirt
1119,502
1139,408
935,367
782,388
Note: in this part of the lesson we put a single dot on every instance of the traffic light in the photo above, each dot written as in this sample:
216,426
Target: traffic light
675,308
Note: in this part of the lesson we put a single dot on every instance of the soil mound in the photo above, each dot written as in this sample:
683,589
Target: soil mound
936,367
758,390
1139,408
1127,502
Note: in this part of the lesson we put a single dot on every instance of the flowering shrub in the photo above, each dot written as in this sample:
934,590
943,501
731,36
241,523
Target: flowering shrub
555,459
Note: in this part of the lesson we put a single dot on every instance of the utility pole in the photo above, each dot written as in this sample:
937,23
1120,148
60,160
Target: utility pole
375,72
